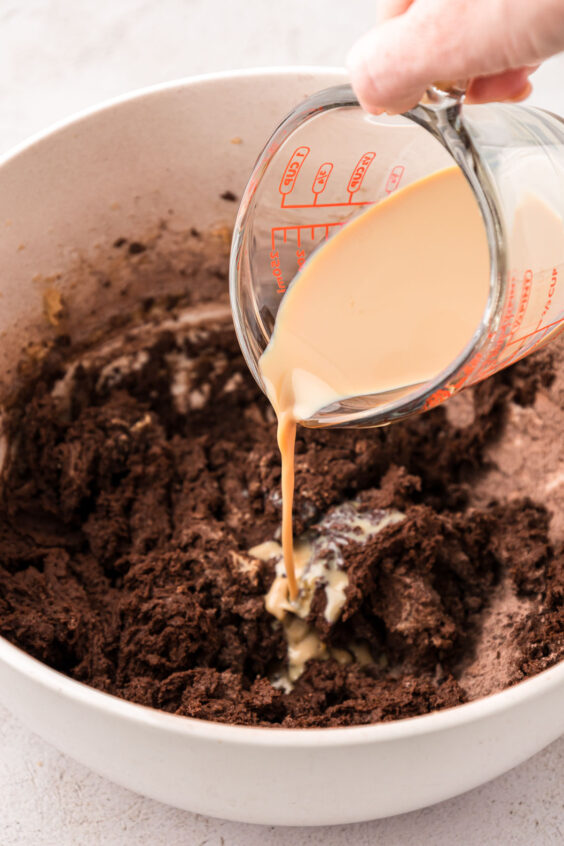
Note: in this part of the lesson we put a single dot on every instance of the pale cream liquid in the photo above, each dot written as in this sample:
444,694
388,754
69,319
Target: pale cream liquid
388,302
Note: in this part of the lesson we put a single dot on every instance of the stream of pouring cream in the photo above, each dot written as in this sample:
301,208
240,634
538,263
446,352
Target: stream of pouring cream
387,303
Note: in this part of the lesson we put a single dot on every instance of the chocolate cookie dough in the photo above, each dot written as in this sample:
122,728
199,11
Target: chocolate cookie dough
142,474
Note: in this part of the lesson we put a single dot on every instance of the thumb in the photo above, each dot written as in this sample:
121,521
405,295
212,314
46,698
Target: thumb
393,64
383,70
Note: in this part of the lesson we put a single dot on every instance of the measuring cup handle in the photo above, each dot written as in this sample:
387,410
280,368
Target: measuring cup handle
444,93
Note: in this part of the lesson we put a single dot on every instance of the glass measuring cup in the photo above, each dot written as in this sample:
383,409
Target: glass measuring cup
329,160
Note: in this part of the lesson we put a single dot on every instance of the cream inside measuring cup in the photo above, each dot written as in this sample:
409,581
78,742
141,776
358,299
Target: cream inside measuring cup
387,303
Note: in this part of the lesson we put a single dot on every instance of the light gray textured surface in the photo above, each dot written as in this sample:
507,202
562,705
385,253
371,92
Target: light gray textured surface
48,799
58,56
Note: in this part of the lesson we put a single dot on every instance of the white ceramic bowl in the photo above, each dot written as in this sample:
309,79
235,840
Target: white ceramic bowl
168,152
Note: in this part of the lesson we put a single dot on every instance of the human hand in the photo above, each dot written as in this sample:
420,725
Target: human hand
493,45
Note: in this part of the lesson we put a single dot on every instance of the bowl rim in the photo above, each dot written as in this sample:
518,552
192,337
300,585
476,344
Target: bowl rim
80,693
434,722
178,84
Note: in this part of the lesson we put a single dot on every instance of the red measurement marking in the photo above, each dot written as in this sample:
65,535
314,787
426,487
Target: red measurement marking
501,336
321,177
521,353
510,304
291,170
325,205
468,371
437,398
511,361
394,178
275,259
542,328
276,269
298,229
284,230
359,173
524,301
516,356
551,291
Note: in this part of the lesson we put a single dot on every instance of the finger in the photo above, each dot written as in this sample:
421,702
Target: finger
393,64
384,70
512,85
